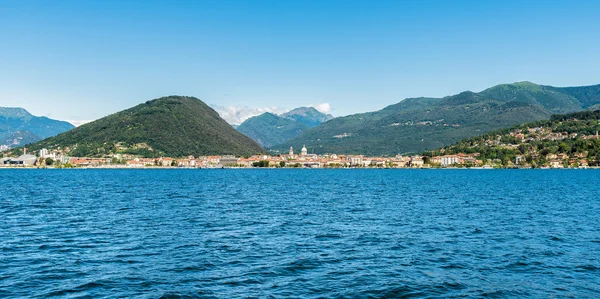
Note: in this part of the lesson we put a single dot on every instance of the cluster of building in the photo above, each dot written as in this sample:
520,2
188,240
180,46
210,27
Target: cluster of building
520,137
303,160
538,133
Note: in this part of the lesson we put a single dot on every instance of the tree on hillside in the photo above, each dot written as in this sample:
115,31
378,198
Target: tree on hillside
564,148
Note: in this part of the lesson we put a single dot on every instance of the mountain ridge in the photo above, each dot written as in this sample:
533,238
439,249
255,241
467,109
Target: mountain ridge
18,126
307,115
167,126
269,129
417,124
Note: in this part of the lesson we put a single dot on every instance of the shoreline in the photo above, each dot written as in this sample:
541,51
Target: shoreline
284,168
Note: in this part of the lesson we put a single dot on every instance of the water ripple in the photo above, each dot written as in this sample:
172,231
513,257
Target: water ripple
299,233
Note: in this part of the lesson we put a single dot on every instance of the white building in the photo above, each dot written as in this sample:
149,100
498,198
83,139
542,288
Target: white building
449,160
22,160
355,160
44,153
304,151
28,159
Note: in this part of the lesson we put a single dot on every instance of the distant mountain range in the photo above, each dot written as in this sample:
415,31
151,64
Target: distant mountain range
269,129
181,126
173,126
18,127
418,124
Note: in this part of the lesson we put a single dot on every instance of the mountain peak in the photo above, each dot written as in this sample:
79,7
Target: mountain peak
269,129
14,112
302,111
20,127
174,100
522,85
305,111
174,126
307,115
525,83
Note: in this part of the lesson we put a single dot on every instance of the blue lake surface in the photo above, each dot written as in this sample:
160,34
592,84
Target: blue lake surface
300,233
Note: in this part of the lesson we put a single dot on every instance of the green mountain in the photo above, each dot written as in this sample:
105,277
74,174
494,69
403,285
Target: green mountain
269,129
565,140
308,116
550,98
419,124
173,126
18,127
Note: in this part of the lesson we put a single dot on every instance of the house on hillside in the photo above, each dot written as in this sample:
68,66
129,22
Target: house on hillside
555,163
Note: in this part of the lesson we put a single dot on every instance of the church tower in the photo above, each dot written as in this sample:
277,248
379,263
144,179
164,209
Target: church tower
291,151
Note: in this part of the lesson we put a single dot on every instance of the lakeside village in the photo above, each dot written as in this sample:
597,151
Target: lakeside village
55,159
291,160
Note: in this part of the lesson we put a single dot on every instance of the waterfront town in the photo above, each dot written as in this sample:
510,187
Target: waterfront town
55,159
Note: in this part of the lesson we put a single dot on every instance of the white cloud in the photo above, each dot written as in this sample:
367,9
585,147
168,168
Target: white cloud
236,115
78,123
322,107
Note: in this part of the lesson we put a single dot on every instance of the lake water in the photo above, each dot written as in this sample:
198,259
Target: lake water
300,233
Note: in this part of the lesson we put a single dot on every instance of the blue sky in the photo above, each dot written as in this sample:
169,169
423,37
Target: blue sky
81,60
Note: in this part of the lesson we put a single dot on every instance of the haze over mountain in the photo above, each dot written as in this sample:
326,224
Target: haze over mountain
418,124
309,116
269,129
169,126
18,127
236,115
